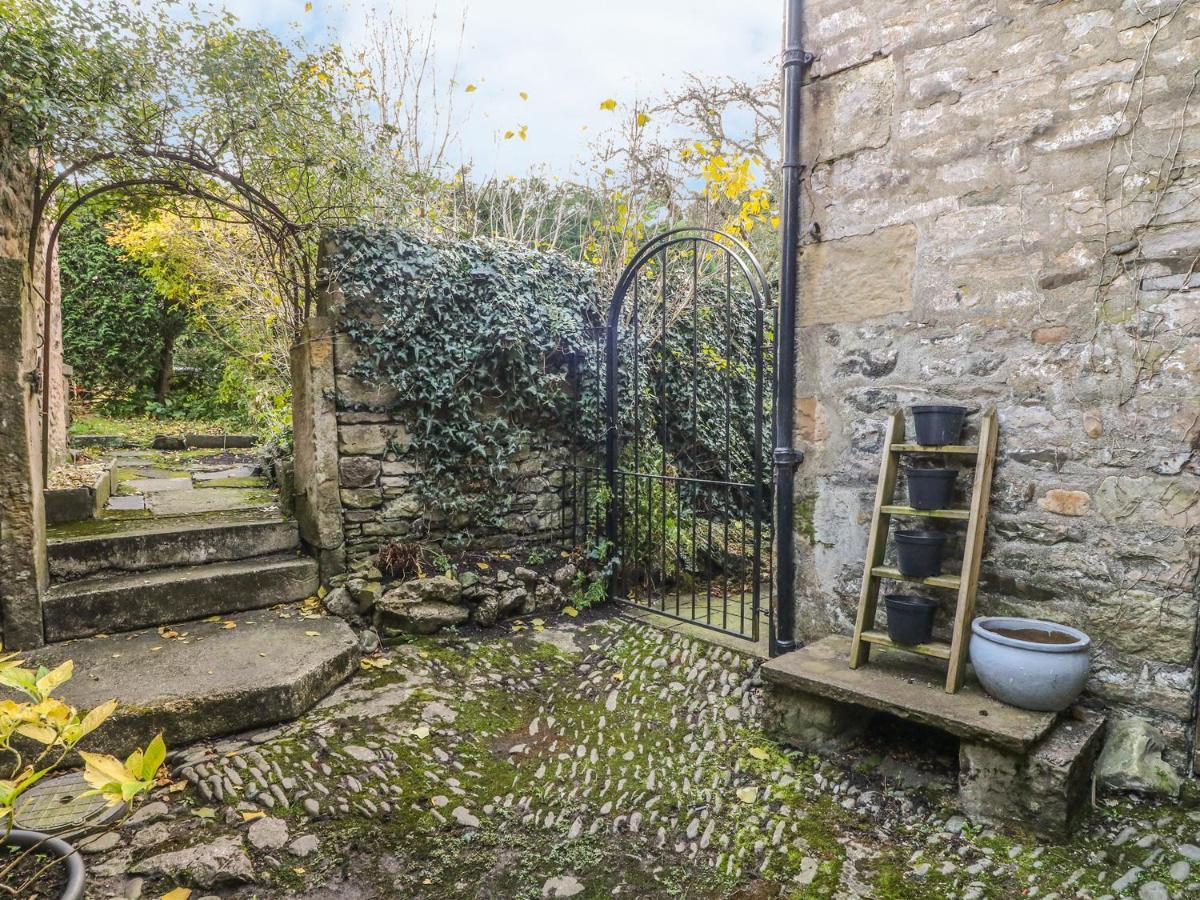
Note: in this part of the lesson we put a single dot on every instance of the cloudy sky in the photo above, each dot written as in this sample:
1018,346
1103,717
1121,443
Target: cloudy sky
568,56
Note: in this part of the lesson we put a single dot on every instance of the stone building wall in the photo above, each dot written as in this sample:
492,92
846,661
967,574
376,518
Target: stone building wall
1001,209
22,519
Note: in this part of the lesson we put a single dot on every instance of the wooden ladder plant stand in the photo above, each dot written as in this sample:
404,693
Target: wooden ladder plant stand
965,583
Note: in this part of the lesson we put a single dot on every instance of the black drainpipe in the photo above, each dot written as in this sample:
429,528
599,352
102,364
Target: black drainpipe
786,456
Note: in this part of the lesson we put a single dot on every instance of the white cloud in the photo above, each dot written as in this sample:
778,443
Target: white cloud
566,54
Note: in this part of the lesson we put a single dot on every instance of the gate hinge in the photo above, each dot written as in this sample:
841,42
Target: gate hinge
788,456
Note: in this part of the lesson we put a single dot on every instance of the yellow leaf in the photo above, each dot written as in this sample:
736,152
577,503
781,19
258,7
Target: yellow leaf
204,812
51,680
180,893
482,565
570,611
747,794
609,105
524,96
758,753
642,119
539,622
313,633
251,816
228,625
421,731
307,9
508,135
471,88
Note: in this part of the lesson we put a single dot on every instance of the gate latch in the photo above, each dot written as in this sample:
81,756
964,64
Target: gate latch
788,456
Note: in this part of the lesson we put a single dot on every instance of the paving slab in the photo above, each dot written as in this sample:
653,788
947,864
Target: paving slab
213,680
910,687
153,485
187,503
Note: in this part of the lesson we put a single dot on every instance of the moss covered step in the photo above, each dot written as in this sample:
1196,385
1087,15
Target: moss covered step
79,553
105,603
209,681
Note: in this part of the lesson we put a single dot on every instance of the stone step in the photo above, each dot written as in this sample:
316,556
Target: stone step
210,681
187,543
106,603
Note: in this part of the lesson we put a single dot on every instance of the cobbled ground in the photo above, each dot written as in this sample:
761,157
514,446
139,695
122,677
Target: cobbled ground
597,758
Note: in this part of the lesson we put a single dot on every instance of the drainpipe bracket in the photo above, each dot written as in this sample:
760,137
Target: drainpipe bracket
794,56
788,456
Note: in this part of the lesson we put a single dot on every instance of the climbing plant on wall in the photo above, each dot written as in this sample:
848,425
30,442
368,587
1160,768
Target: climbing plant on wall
479,337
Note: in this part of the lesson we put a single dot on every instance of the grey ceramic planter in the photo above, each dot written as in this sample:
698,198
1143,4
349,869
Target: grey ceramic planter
1032,675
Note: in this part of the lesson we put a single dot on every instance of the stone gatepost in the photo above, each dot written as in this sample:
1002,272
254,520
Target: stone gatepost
314,423
22,515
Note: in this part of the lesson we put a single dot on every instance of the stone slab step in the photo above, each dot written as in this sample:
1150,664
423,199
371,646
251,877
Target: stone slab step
211,682
168,545
910,687
106,603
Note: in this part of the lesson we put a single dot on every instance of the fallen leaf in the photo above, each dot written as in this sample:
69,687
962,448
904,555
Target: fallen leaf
421,731
178,893
164,631
213,619
313,633
539,621
618,676
228,625
524,96
204,812
593,647
747,794
758,753
571,611
251,816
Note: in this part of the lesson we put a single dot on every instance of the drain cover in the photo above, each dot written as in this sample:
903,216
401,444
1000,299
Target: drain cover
53,805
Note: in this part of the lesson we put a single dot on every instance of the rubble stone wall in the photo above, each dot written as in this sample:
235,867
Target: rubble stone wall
376,475
1001,210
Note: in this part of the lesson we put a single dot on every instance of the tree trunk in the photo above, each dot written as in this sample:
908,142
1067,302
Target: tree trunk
166,368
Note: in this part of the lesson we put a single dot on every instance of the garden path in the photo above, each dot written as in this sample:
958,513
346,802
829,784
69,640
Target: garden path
596,756
161,483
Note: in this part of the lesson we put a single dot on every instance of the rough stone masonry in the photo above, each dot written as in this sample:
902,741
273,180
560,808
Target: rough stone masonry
1002,208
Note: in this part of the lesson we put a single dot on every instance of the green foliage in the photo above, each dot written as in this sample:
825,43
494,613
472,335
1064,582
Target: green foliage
476,336
63,64
114,322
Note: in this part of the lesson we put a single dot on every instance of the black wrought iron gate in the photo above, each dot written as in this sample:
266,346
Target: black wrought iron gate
690,386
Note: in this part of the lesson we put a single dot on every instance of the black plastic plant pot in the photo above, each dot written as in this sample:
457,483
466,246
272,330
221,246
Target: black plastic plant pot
919,553
938,425
910,618
930,488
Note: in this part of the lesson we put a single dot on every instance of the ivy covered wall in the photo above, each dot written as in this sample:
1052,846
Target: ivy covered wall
456,406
